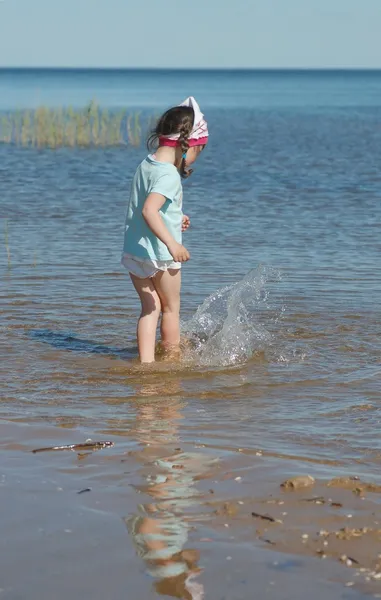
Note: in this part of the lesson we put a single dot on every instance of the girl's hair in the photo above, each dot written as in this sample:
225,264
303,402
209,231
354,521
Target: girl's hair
177,120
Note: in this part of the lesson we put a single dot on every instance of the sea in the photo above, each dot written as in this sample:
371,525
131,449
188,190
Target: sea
281,371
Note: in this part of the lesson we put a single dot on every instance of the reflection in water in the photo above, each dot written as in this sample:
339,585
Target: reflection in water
160,529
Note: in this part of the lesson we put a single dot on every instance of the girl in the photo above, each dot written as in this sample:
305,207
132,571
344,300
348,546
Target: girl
153,250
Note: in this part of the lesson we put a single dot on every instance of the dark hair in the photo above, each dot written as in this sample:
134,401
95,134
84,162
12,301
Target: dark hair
177,120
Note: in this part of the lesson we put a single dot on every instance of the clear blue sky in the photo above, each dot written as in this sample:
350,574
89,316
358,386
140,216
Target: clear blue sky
190,33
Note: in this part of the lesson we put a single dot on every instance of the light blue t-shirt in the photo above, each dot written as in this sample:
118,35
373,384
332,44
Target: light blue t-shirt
163,178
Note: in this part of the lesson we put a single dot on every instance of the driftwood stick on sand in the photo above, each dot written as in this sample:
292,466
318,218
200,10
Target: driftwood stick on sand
84,446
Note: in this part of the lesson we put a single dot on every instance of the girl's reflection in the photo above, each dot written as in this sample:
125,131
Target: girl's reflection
160,529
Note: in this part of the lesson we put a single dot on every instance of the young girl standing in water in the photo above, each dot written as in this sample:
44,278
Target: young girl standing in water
153,250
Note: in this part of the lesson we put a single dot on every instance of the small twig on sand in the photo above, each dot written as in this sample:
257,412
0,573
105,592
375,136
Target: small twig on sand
75,447
264,517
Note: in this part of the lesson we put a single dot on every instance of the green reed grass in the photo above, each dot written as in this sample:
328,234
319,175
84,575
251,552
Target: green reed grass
134,130
69,127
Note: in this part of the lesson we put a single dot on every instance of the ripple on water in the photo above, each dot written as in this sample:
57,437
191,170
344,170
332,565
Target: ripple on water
281,373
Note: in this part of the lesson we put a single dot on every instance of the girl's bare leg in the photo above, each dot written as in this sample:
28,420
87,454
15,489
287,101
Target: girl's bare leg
149,317
168,284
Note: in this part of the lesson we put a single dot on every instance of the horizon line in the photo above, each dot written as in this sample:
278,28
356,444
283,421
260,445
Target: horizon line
248,69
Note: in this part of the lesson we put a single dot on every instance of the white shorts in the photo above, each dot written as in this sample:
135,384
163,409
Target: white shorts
146,267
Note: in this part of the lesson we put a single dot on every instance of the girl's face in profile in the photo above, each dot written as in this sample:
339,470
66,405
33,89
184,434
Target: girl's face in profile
193,154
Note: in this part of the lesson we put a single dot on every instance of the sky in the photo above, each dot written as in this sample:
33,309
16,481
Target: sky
197,33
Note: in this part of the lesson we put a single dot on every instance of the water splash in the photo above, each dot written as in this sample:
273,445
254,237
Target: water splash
235,322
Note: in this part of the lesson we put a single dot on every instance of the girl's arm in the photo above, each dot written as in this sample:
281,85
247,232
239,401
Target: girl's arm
151,208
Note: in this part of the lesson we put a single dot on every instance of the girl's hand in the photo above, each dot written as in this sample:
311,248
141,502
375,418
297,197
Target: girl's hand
179,252
186,223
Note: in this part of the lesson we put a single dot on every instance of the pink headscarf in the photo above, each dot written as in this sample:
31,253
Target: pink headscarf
199,134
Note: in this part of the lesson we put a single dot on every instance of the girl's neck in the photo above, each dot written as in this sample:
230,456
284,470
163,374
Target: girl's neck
169,155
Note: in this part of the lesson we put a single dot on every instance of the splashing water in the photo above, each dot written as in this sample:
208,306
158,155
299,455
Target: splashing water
234,323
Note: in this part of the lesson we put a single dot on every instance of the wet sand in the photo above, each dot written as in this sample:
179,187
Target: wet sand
66,533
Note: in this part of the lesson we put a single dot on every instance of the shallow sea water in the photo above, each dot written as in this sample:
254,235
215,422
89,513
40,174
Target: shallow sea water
284,375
